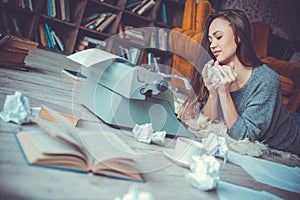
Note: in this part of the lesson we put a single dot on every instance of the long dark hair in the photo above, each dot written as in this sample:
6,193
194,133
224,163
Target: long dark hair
245,50
242,31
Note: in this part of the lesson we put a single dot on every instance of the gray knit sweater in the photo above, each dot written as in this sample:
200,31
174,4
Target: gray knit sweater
261,115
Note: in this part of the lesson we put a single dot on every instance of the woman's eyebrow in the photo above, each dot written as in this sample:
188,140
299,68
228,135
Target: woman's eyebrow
214,33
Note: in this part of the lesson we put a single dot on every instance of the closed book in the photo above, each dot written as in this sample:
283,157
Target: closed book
49,38
67,10
15,50
106,23
21,43
100,20
90,18
58,41
15,28
62,9
42,35
59,146
12,56
146,7
132,4
164,13
136,8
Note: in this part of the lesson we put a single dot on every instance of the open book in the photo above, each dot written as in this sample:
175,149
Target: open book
59,146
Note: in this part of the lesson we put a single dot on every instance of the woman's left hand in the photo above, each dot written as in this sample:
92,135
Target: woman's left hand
227,76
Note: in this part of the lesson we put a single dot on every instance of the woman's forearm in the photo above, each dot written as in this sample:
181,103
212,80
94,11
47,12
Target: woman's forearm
211,108
228,109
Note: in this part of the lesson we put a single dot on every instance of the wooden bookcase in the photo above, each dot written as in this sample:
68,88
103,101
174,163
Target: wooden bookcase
71,31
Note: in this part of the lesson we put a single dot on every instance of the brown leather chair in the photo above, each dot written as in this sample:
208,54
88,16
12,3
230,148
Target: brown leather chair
289,72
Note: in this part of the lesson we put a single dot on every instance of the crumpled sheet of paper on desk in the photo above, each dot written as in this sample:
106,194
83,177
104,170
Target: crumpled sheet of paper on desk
17,109
145,133
204,172
135,194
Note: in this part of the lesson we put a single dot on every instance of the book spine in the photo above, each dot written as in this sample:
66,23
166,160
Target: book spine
59,42
53,9
62,9
107,22
146,7
30,5
42,35
67,10
90,18
49,6
99,20
164,13
48,36
94,41
144,2
133,4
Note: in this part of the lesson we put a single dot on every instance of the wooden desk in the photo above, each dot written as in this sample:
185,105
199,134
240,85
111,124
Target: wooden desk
21,181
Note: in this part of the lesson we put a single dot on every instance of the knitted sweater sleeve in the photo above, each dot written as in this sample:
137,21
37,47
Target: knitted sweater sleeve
256,113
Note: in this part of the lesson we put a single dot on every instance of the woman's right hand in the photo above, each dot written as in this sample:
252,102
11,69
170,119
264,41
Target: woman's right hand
207,78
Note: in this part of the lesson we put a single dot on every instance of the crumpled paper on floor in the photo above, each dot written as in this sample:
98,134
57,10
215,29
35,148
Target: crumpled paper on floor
145,133
17,109
204,172
135,194
215,145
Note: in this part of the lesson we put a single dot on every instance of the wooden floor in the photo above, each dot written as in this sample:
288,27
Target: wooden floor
18,180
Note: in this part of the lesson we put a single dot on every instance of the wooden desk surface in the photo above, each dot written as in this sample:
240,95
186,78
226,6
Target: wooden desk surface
21,181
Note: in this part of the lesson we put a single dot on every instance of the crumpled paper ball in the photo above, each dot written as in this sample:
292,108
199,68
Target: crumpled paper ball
17,109
204,172
135,194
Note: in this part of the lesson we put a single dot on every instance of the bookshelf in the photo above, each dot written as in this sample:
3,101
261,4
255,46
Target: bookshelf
69,27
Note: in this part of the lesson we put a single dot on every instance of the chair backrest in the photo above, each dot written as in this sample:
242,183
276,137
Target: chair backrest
260,37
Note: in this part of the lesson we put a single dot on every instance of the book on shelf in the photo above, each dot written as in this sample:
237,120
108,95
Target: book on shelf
62,9
67,10
57,40
146,7
60,146
131,4
42,36
49,38
14,25
89,42
90,18
164,13
99,20
139,6
59,9
106,22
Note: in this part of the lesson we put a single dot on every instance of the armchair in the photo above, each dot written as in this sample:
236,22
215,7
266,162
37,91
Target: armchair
289,72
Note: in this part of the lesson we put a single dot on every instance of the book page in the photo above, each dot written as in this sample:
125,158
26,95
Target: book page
62,130
91,57
40,148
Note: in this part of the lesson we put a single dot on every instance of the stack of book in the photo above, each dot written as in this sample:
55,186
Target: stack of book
49,38
87,42
13,50
98,21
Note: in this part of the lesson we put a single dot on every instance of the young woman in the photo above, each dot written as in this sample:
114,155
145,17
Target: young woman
245,93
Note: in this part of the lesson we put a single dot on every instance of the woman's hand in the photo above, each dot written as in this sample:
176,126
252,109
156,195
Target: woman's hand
207,79
227,77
